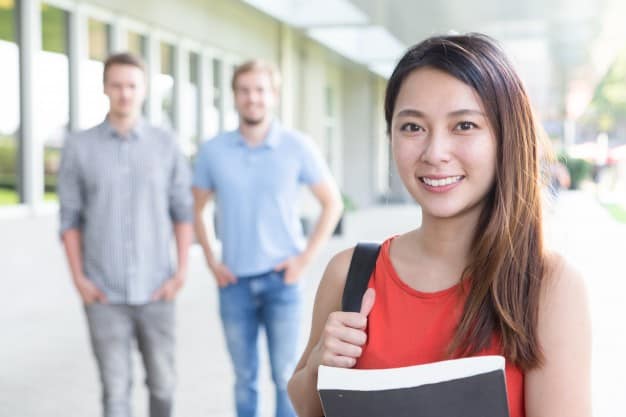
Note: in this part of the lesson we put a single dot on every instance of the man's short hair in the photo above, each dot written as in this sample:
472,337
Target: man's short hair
259,65
123,58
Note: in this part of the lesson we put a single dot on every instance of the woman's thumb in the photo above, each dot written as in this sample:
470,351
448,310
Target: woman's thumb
367,303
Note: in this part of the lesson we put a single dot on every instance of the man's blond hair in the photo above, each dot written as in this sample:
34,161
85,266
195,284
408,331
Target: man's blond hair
258,65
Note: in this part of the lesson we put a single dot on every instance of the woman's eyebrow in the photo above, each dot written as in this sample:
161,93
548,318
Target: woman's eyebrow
466,112
455,113
410,113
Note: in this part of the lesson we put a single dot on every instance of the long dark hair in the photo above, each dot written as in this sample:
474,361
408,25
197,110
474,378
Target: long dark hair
507,263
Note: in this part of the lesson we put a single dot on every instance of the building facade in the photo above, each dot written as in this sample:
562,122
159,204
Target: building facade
52,55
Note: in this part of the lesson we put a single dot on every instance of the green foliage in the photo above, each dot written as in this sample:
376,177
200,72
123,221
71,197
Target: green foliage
617,211
8,158
7,23
54,29
579,170
608,105
348,203
9,165
8,197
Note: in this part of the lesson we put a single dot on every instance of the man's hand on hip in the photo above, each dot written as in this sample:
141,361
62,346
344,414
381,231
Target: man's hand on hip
88,291
223,275
294,268
170,288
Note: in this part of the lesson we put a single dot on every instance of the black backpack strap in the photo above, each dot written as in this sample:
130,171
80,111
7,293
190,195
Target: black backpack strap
361,267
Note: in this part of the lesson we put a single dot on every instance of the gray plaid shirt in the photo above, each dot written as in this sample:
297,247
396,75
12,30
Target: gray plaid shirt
124,194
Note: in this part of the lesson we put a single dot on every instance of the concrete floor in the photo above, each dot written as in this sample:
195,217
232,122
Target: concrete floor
46,366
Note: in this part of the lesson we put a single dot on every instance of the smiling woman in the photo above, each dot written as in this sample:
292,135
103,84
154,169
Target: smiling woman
474,278
441,123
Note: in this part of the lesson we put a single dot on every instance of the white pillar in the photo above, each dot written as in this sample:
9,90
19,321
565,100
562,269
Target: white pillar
153,67
32,144
287,66
119,40
181,78
77,54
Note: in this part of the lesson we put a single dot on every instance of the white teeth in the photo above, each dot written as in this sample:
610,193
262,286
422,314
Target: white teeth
441,182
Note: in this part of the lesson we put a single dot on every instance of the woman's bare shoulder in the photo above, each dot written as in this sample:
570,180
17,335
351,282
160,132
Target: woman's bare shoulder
561,277
337,271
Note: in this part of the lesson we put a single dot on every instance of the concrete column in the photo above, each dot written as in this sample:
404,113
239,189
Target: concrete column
181,77
31,150
78,53
288,70
226,95
205,86
359,146
118,38
153,64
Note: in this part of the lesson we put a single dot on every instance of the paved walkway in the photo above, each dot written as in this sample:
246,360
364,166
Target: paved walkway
46,367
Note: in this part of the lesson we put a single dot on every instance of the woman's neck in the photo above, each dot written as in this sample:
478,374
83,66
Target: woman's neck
434,256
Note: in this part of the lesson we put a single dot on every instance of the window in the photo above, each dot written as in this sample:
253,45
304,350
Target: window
94,104
329,125
9,104
137,44
231,119
52,89
189,127
164,87
212,111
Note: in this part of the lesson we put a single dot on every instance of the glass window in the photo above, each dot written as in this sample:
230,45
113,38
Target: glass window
137,44
231,119
329,125
52,89
94,104
99,40
212,115
164,86
189,132
9,104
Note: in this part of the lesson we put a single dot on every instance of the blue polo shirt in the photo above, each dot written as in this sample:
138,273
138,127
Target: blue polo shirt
256,191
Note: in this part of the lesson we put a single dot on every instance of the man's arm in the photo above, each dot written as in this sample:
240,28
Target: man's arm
222,274
71,199
89,293
329,198
169,289
180,212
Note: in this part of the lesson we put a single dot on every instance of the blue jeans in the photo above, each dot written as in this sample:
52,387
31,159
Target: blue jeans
261,300
113,329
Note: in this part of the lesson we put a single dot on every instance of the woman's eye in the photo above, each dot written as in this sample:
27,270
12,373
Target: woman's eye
466,126
410,127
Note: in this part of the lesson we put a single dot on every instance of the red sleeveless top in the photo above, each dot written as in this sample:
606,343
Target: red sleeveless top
408,327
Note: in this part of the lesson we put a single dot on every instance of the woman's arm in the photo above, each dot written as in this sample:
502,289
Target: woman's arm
335,340
561,386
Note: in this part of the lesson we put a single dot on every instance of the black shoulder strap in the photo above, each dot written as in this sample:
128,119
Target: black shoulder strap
361,267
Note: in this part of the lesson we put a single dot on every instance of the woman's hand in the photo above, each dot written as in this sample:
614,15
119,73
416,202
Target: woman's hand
343,336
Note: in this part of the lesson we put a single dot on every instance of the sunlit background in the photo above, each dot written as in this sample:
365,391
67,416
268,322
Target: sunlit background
335,56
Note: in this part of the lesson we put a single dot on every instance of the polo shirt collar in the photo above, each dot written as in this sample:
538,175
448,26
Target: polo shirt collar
136,132
271,140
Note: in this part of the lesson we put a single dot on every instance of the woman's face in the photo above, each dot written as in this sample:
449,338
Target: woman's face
443,144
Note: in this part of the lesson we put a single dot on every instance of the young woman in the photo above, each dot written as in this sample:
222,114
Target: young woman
474,278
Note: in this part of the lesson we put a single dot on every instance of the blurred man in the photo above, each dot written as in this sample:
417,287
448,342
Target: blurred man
122,185
255,175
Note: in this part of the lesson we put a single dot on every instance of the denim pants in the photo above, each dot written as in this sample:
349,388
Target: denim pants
261,300
114,328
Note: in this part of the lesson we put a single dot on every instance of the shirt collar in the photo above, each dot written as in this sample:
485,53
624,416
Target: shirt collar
136,132
271,140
